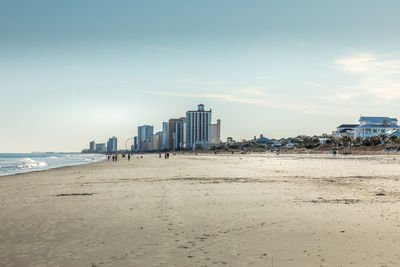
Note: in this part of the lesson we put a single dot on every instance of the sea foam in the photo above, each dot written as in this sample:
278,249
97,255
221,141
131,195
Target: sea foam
30,163
25,162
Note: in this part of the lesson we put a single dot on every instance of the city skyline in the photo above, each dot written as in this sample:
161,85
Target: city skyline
196,130
81,70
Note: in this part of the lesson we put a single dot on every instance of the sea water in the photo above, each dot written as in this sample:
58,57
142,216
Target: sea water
12,163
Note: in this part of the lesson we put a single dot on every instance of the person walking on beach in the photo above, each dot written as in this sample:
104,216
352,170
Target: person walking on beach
129,157
116,157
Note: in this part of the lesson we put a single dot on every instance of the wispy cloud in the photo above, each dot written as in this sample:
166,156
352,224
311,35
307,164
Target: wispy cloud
337,95
376,81
256,96
226,97
377,75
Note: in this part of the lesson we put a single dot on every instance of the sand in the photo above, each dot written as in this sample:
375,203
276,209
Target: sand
205,210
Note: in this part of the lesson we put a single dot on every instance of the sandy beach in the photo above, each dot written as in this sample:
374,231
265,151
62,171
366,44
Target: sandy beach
205,210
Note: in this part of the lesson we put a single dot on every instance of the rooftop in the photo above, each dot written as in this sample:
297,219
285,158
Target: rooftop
348,126
262,139
379,126
377,119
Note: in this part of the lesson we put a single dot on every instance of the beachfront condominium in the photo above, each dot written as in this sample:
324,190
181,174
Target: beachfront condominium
180,134
92,146
198,128
165,137
171,132
145,138
135,144
216,133
101,147
157,141
177,133
112,144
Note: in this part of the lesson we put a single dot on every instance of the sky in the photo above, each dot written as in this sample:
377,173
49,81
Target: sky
80,70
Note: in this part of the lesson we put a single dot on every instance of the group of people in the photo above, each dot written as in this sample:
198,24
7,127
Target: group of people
114,157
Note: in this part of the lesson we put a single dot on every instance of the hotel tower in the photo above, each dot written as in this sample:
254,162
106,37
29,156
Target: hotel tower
198,128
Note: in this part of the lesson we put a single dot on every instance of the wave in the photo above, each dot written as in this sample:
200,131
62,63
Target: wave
12,165
30,163
26,163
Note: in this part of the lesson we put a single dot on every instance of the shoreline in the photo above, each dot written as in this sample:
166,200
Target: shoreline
49,169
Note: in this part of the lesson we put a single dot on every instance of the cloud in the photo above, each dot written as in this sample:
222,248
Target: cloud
226,97
257,96
374,81
336,95
377,75
361,63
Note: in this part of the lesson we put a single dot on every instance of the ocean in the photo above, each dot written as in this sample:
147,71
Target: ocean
12,163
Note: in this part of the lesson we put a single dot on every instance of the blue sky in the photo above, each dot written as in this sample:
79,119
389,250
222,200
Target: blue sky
73,71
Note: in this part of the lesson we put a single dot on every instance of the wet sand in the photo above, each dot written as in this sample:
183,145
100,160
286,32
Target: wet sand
205,210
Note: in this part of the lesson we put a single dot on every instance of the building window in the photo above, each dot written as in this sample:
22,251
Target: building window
375,130
382,130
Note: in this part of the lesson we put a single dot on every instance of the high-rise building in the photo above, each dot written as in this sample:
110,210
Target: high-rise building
180,134
198,128
165,137
171,133
112,144
101,147
219,130
135,144
177,133
145,138
157,141
216,133
92,146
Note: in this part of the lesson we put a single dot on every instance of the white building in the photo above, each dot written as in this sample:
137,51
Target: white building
198,128
345,129
368,127
216,133
373,126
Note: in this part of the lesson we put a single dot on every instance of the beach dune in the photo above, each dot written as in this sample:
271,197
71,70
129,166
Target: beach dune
205,210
